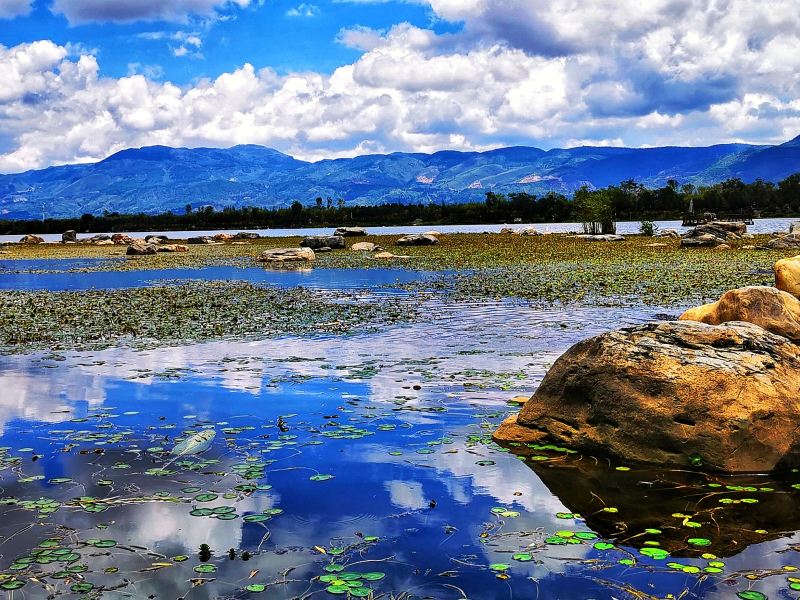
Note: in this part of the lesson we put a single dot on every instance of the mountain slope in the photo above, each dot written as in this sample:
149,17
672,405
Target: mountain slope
158,178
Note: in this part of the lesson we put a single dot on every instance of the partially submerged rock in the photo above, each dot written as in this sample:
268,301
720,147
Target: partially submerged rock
774,310
418,239
364,247
141,248
315,242
31,239
350,232
284,255
787,275
674,393
785,242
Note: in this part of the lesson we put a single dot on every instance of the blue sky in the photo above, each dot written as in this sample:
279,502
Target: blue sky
81,79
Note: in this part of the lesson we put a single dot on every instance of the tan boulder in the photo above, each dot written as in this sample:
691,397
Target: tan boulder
774,310
364,247
173,248
223,237
680,393
787,275
284,255
31,239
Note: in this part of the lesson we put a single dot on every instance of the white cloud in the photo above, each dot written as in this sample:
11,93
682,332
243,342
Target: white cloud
86,11
671,72
303,10
14,8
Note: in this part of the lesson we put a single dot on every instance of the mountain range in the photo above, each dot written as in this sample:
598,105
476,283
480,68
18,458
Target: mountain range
158,178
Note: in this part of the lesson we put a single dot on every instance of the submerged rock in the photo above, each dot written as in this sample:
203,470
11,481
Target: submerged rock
418,239
774,310
350,232
677,393
283,255
787,275
315,242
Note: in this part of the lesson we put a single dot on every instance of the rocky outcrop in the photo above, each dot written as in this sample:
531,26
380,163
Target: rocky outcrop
678,393
785,242
350,232
774,310
31,239
794,227
365,247
69,237
315,242
713,234
527,231
418,239
141,248
787,275
287,255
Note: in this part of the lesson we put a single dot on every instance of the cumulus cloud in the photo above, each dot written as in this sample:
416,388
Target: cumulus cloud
673,72
86,11
14,8
303,10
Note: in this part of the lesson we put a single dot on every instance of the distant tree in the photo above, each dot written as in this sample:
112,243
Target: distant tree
318,202
188,209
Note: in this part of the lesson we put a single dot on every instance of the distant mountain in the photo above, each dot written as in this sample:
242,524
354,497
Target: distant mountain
158,178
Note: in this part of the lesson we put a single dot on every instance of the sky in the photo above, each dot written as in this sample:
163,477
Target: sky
82,79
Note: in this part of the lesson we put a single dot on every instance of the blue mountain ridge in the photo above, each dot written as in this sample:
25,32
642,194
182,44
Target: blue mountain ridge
155,179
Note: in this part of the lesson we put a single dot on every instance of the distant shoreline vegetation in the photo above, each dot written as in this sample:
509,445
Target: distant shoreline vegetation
628,201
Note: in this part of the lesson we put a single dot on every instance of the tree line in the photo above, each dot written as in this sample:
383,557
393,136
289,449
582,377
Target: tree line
628,201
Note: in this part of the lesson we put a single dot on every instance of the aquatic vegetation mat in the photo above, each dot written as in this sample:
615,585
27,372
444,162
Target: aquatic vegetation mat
168,314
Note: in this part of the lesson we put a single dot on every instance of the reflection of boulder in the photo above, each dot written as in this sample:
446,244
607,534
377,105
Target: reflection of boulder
642,499
767,307
673,393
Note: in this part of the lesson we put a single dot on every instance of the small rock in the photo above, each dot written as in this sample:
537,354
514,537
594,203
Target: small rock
656,245
671,233
95,239
156,239
417,239
321,241
528,231
507,231
141,248
69,236
350,232
283,255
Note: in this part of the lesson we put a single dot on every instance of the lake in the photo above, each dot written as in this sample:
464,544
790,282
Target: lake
351,466
623,227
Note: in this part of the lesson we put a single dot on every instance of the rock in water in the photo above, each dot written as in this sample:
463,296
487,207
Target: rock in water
767,307
417,239
787,275
315,242
282,255
674,393
350,232
69,237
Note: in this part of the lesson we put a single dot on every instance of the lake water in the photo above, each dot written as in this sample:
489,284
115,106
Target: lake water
623,227
360,463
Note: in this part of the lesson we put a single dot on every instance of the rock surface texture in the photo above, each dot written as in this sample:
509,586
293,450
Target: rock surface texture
774,310
283,255
675,393
315,242
787,275
713,234
785,242
418,239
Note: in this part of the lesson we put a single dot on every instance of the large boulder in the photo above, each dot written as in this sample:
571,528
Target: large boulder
676,393
418,239
31,239
785,242
315,242
69,237
350,232
787,275
767,307
284,255
141,248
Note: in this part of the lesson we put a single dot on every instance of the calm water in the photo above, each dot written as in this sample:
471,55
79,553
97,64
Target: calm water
623,227
360,463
